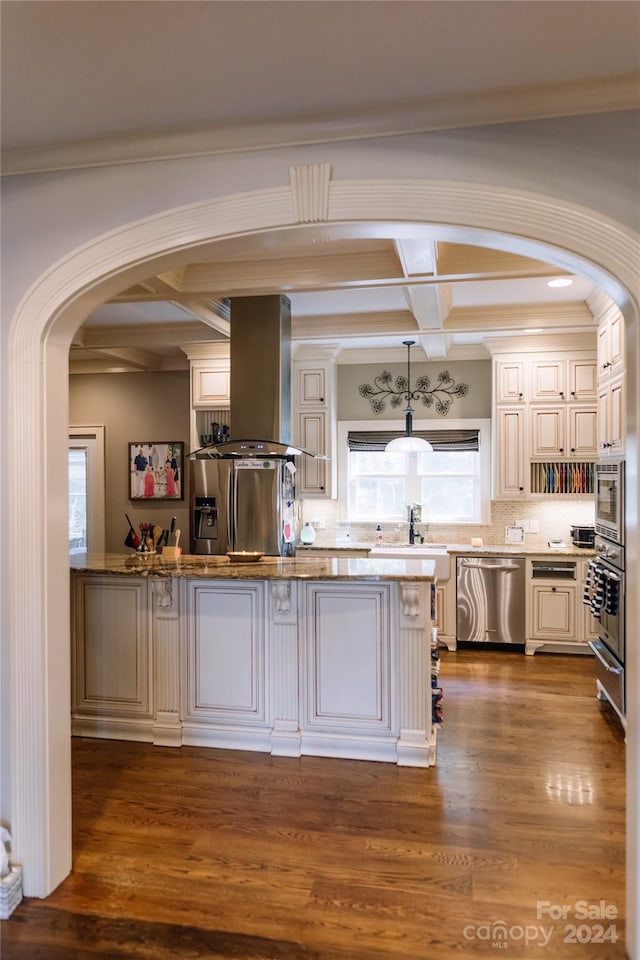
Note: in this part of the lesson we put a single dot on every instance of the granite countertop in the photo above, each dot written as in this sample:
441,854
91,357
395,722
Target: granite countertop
488,549
518,550
269,568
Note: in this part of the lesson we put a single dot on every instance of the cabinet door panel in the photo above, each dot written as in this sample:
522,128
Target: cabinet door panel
225,652
547,432
582,430
112,653
348,657
510,452
583,379
554,611
211,388
311,432
311,387
548,380
616,417
510,381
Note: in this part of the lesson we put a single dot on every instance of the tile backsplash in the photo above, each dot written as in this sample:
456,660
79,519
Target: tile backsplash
553,519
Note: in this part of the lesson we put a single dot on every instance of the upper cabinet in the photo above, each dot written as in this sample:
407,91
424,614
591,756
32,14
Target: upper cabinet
314,420
611,383
210,367
544,414
210,384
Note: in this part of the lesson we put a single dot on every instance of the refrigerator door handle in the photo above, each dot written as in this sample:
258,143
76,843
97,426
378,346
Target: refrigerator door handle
232,517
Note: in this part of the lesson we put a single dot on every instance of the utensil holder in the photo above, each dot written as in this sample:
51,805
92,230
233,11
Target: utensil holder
171,553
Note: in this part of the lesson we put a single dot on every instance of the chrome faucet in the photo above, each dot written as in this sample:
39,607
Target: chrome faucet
414,535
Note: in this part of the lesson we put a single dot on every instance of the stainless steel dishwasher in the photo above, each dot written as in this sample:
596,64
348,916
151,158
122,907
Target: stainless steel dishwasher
490,600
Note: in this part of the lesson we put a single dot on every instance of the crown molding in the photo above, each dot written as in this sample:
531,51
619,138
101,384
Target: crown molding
360,355
514,316
516,104
542,343
306,352
139,335
601,305
207,351
329,327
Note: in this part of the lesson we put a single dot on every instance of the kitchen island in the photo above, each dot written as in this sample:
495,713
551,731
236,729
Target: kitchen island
292,656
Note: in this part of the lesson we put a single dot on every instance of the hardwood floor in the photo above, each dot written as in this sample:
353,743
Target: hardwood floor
197,853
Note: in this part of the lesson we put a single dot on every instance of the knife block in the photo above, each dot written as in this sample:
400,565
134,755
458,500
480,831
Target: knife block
171,553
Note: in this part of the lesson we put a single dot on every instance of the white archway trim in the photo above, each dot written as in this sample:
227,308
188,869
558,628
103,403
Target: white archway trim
40,334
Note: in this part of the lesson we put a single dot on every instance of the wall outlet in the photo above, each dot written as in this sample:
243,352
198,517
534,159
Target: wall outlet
534,526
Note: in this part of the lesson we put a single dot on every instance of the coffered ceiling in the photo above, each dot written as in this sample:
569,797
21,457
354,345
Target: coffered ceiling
363,294
93,83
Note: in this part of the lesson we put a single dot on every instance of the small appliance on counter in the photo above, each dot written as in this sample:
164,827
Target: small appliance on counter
583,536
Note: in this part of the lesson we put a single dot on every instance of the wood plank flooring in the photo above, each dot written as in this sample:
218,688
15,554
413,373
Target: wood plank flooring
196,853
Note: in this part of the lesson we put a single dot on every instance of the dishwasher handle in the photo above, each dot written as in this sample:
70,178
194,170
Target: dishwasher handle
508,566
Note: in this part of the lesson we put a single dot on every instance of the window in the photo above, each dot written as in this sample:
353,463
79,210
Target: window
86,490
451,483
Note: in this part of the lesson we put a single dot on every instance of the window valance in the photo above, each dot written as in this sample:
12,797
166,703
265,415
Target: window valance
441,440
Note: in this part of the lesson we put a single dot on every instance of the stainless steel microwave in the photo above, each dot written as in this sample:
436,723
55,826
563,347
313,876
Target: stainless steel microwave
609,490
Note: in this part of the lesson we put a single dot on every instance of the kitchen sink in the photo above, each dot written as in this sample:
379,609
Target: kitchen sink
424,551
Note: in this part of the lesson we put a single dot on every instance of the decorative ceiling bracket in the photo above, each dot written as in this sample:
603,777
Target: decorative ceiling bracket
310,188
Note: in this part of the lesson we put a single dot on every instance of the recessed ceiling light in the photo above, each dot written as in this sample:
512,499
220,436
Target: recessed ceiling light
560,282
533,330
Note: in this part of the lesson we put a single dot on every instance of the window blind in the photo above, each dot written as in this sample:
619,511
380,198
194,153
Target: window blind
441,440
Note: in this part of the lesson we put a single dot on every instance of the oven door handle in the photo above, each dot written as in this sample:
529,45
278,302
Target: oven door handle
605,659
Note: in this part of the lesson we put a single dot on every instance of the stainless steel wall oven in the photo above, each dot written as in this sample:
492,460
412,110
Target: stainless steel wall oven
609,483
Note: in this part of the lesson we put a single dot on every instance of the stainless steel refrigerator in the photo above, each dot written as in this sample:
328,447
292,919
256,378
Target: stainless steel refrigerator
243,503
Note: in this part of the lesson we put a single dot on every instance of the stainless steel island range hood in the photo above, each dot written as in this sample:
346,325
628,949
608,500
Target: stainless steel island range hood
260,379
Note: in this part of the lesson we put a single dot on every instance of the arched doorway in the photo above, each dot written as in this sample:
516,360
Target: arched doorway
50,312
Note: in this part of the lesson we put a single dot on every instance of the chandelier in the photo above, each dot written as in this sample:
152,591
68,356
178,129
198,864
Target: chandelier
409,443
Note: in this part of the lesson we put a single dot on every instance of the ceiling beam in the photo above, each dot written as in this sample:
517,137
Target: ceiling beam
252,286
144,335
519,315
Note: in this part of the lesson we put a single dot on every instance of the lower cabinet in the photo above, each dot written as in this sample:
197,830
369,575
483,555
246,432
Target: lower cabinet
347,659
446,612
112,662
557,619
553,612
223,662
333,668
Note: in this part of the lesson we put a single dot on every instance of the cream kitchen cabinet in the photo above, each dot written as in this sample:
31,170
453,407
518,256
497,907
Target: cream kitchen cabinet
313,434
509,437
556,616
611,417
611,383
312,387
544,409
210,384
314,421
611,344
112,662
564,432
509,380
553,611
446,612
337,667
563,379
